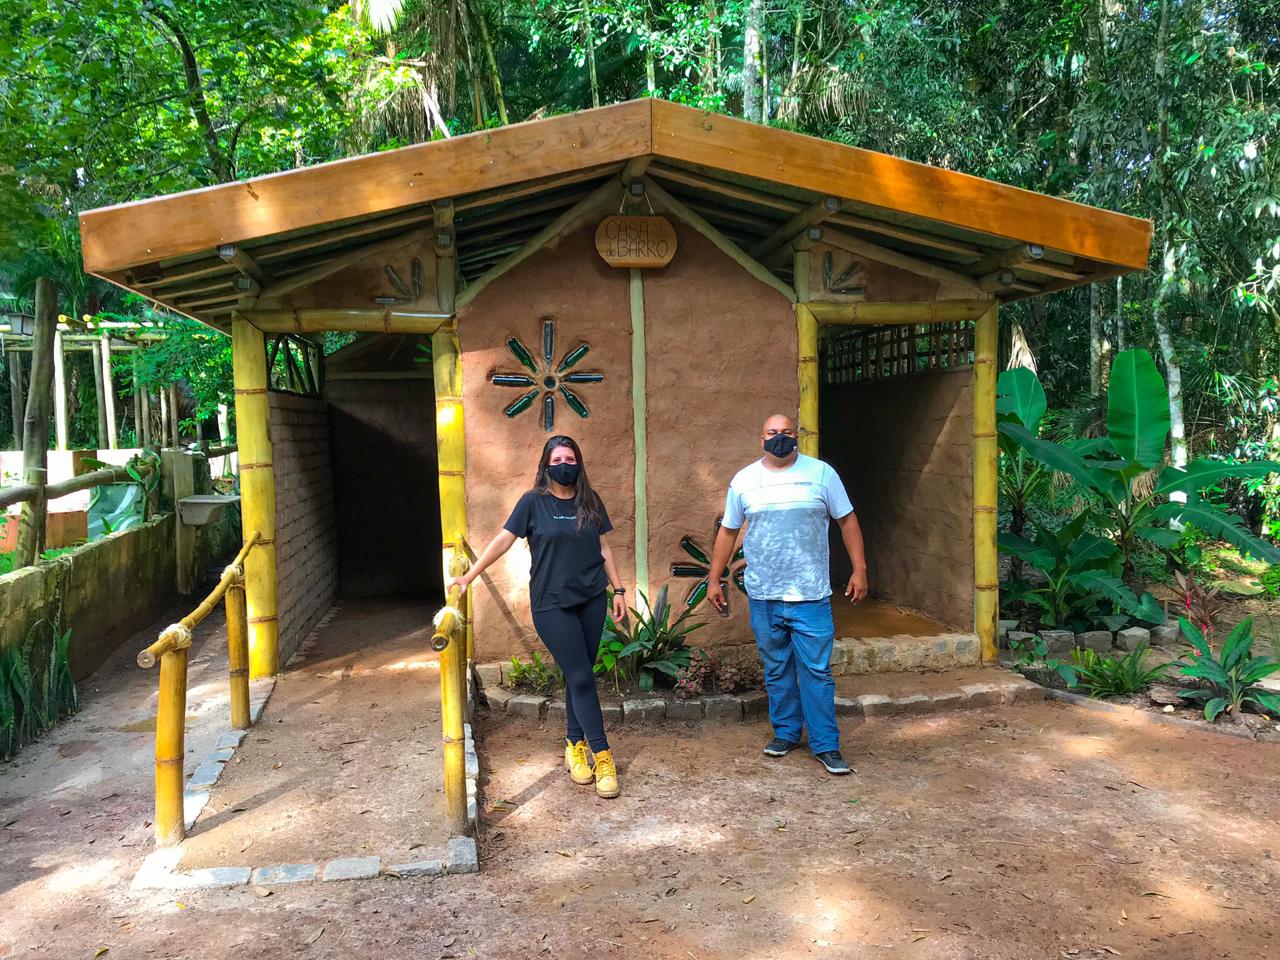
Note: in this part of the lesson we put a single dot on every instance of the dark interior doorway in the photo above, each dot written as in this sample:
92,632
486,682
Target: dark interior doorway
383,436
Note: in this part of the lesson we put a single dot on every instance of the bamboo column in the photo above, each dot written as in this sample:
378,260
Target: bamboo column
451,453
144,418
163,394
170,746
137,400
257,493
175,422
238,655
95,351
17,401
60,391
108,392
640,427
986,597
807,337
35,427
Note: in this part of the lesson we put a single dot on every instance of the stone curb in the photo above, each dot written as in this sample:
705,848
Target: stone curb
159,870
1144,716
1005,687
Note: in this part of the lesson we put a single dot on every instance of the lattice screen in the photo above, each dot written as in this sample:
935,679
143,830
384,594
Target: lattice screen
860,354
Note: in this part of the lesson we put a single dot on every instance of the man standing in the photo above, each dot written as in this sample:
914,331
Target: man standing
786,499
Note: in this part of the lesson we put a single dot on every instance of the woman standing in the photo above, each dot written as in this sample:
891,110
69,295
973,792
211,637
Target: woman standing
565,523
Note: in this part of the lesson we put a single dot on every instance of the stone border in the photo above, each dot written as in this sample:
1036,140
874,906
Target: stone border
159,871
1147,716
1005,687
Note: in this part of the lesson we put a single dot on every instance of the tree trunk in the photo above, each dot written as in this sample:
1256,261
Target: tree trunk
17,395
35,427
589,42
218,162
495,79
751,60
710,55
1121,338
650,70
1095,341
1168,263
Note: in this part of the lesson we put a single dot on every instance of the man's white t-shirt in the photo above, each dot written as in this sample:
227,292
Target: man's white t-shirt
787,514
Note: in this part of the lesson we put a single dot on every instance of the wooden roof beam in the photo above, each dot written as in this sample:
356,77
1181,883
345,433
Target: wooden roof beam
307,277
723,243
904,233
796,226
232,254
923,268
729,190
1005,279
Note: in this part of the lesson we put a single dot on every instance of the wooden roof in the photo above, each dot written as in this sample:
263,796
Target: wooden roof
760,186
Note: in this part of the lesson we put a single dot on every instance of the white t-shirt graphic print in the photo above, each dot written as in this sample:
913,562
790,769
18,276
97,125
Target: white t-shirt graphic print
787,514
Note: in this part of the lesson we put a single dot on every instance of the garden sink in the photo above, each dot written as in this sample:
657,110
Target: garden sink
205,508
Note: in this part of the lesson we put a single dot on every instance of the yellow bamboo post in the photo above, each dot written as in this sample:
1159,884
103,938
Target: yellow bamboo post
257,494
451,455
238,655
986,594
170,747
807,337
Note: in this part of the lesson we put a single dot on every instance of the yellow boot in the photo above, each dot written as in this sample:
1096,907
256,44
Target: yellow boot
606,775
576,762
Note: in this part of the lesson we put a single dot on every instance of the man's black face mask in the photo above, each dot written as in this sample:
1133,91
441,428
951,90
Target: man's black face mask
780,445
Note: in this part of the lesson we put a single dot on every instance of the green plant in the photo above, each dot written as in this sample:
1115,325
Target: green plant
1103,676
1033,653
1230,679
1270,581
536,676
698,677
1080,570
1023,480
653,643
1199,604
607,656
1122,476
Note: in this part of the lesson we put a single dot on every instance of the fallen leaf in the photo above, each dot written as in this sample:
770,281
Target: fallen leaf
180,905
564,853
101,951
748,899
945,876
261,891
315,935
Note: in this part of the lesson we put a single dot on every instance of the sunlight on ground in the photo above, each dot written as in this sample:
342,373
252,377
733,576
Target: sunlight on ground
80,877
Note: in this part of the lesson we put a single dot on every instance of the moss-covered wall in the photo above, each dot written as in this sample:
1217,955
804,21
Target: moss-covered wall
103,592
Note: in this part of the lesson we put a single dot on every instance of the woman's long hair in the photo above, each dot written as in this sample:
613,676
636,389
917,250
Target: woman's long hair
590,510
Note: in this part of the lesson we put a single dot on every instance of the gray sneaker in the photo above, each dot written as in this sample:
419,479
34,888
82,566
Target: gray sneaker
777,747
834,763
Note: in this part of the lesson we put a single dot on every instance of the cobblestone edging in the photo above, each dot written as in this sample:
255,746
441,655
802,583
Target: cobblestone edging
159,871
1146,716
1004,687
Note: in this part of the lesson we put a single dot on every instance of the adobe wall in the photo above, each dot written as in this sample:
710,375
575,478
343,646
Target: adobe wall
387,499
721,358
904,449
589,301
306,531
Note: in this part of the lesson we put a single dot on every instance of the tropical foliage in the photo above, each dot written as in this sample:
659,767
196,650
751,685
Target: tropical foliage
648,644
1105,676
1230,677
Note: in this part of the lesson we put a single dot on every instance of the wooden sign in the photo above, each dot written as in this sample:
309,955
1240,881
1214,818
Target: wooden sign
636,241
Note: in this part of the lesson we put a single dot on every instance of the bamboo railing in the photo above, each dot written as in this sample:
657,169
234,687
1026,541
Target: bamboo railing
450,640
171,652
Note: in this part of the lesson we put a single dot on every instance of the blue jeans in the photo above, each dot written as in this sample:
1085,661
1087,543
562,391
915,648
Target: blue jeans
795,639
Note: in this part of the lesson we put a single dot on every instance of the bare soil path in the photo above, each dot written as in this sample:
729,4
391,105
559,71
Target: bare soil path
1009,833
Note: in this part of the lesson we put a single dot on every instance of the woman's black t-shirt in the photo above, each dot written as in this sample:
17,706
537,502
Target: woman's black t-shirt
567,566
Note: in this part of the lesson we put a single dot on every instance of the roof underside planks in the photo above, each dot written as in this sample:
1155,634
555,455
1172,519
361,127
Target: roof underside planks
759,185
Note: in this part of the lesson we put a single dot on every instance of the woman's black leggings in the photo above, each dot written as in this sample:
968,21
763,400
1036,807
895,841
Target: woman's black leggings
572,634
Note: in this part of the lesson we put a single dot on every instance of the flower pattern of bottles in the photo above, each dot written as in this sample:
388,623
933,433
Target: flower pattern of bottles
545,379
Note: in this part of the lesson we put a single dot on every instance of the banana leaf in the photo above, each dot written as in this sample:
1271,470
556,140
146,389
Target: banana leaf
1137,408
1218,523
1205,473
1019,394
1113,589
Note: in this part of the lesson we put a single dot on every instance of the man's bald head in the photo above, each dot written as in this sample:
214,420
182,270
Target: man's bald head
778,423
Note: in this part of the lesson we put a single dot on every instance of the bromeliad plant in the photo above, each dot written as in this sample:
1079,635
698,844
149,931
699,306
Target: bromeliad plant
649,644
1102,676
1231,678
1124,506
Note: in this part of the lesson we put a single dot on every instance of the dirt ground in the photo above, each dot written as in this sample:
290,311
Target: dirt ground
359,705
1011,833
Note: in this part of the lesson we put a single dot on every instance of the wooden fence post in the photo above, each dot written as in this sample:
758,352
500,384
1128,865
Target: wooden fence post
35,427
60,390
108,392
17,393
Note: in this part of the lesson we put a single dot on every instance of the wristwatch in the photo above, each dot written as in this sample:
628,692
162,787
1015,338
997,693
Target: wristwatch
620,592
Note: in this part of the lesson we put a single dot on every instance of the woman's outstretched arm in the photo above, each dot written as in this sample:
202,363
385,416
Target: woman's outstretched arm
496,548
618,602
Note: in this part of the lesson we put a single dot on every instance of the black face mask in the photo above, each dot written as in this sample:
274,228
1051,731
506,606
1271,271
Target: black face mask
781,446
565,474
